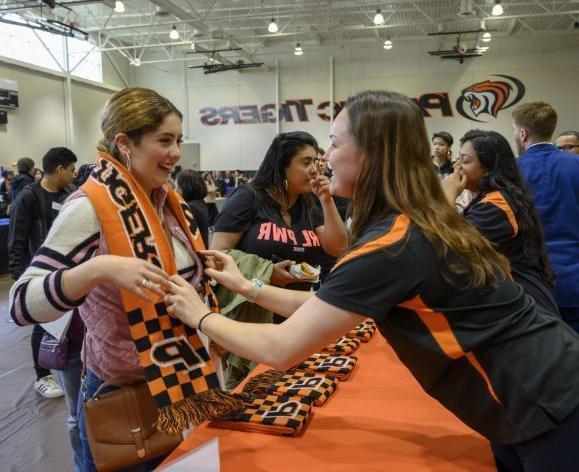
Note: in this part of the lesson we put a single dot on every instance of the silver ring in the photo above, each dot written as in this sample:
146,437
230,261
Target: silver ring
147,283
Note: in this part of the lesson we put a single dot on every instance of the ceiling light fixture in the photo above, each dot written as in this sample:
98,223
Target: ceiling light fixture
192,46
272,28
387,44
298,51
486,37
137,62
119,7
497,9
378,18
174,34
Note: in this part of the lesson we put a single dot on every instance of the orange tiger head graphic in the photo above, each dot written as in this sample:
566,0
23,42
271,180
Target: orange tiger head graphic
489,97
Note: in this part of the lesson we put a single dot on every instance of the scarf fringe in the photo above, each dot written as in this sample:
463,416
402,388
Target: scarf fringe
207,405
262,382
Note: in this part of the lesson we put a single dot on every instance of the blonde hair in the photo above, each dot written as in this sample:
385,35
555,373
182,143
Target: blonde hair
134,111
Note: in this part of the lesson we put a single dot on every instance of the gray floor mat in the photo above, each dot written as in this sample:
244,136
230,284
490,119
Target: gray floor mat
33,435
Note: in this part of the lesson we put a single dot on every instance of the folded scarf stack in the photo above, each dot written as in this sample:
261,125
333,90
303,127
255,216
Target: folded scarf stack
270,414
364,331
315,387
343,346
340,367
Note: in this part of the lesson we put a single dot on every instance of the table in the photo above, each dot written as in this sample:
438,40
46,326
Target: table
378,420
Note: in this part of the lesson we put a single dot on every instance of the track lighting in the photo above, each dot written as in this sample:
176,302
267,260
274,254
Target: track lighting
378,18
272,28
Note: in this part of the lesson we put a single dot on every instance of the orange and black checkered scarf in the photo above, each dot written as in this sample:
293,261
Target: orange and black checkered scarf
178,370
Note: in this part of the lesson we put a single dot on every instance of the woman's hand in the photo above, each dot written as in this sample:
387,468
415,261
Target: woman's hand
281,275
184,302
224,270
321,188
453,185
139,277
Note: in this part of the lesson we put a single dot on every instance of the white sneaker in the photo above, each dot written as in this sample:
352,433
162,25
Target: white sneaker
48,388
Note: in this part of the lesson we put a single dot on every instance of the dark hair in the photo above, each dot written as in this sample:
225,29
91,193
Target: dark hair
569,133
397,176
497,158
83,174
270,176
538,118
446,137
192,185
25,165
57,156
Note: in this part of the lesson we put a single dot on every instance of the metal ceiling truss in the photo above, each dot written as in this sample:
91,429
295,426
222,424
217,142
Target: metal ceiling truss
142,31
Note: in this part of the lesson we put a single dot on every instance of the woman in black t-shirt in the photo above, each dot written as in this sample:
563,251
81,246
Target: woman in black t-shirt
276,216
503,211
191,186
438,291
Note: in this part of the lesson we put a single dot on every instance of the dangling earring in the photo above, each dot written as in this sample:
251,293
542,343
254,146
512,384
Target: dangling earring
128,163
285,184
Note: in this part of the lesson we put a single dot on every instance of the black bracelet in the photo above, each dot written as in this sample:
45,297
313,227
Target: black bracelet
201,320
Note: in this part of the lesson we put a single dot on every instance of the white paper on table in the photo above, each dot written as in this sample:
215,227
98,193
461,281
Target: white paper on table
205,458
58,328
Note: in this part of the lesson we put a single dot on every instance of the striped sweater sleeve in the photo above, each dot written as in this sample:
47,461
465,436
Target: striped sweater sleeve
72,240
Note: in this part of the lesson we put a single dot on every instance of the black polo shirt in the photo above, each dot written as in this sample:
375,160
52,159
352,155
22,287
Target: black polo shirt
490,356
492,213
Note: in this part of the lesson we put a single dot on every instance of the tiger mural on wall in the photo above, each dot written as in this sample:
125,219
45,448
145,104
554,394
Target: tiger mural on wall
489,97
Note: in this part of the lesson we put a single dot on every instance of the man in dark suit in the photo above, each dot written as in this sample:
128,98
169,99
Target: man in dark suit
553,178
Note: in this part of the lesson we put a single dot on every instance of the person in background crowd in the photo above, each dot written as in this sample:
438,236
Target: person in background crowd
442,153
438,291
276,217
83,174
191,186
25,176
503,211
553,179
240,178
210,199
5,202
219,180
38,174
32,215
568,141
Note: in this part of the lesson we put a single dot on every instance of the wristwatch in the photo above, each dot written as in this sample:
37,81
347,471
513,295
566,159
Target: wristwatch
256,285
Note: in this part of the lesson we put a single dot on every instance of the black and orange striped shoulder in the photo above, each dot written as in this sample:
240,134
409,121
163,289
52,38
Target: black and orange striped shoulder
498,200
395,233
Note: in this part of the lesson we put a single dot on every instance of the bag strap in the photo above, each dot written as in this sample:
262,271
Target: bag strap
120,382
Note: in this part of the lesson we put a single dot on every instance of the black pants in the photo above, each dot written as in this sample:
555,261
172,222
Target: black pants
554,451
35,340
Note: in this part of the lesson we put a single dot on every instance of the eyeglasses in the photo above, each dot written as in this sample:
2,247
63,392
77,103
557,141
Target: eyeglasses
568,147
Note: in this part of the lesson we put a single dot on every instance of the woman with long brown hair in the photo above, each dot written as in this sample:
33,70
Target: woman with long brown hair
437,290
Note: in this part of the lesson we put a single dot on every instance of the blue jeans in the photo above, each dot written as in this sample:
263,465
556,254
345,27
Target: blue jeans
87,464
70,380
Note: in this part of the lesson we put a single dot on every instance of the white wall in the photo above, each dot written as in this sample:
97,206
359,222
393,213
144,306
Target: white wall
548,66
40,121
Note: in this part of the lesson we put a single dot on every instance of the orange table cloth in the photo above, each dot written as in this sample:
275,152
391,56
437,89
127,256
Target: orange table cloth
380,419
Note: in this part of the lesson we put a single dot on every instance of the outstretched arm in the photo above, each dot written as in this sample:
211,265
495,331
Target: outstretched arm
314,325
279,300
